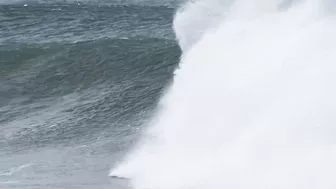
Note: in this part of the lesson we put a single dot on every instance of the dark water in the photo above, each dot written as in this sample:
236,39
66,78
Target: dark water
78,81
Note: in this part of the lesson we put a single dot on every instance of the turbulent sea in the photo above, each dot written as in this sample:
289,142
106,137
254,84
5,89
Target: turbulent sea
172,94
77,82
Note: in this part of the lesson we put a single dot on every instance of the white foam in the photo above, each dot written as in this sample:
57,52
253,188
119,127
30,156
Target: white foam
252,106
14,170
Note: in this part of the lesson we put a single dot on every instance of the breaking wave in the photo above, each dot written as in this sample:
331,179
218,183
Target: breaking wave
252,104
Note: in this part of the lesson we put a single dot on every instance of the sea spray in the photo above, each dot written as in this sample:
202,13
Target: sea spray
252,105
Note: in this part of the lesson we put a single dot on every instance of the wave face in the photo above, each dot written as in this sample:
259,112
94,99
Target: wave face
252,104
78,80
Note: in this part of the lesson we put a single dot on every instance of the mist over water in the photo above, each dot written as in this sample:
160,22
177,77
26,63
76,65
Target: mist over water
252,105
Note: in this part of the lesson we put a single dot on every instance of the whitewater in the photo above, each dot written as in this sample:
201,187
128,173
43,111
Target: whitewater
252,104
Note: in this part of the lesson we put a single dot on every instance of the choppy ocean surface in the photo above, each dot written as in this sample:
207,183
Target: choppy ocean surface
199,94
77,82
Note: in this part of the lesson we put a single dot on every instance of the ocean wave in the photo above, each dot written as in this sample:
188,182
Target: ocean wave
51,91
71,23
153,3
